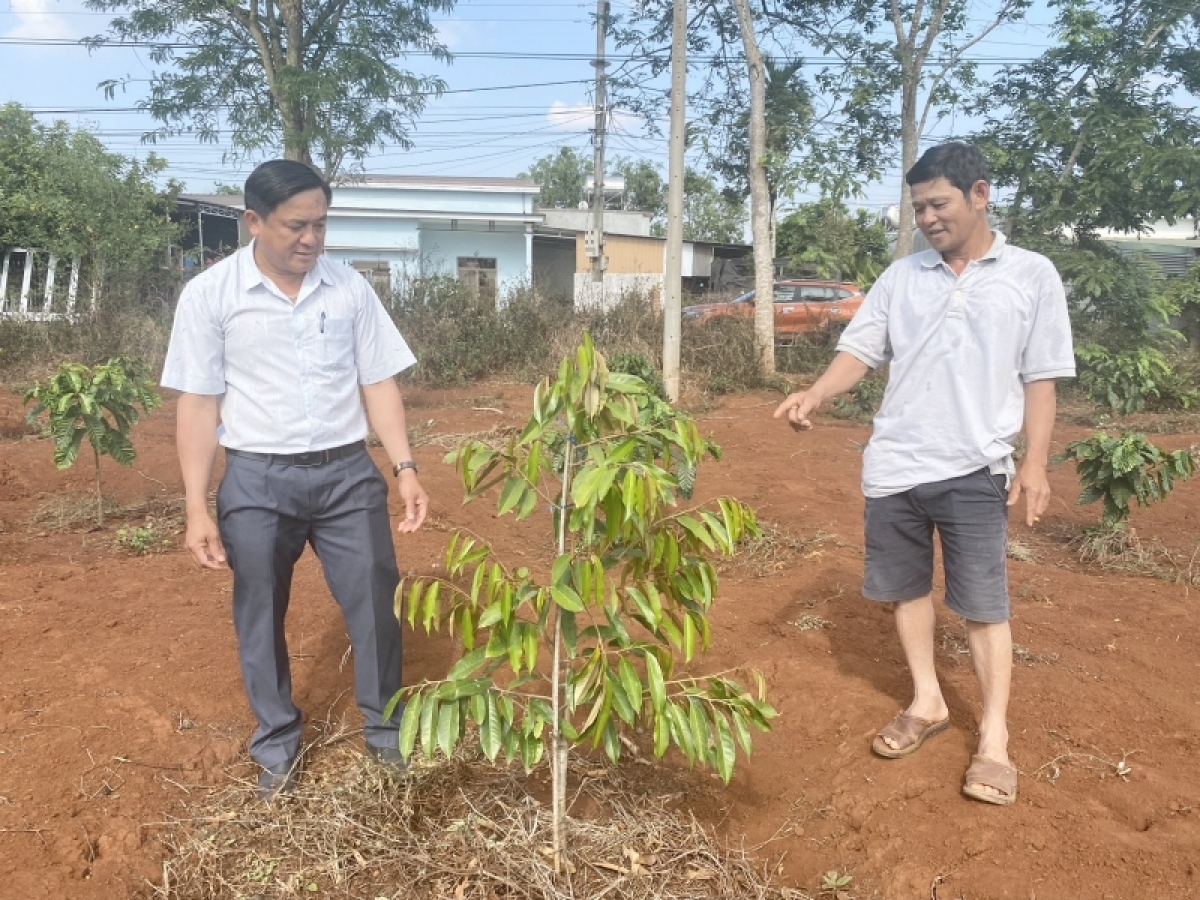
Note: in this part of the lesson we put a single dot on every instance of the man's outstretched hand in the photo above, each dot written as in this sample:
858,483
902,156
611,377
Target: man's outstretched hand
797,408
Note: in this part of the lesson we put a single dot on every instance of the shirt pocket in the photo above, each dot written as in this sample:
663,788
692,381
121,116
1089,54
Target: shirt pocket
335,344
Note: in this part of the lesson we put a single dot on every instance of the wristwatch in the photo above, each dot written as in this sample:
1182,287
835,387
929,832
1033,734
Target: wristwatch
399,467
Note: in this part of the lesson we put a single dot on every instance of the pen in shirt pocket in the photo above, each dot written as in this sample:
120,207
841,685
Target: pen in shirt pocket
322,323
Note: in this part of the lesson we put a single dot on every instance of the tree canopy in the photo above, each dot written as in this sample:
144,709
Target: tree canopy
560,177
316,78
827,240
62,191
1100,131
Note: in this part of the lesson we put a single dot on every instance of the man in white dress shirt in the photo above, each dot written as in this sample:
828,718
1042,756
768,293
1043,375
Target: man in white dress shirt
281,357
976,331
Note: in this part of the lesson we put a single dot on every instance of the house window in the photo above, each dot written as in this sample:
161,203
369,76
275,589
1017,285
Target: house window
378,274
480,276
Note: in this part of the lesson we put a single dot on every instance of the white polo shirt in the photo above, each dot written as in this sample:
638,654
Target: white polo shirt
287,375
961,348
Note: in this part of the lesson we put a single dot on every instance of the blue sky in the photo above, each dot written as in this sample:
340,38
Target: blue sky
466,132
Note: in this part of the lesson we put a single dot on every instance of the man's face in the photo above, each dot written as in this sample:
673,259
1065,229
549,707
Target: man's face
947,217
292,237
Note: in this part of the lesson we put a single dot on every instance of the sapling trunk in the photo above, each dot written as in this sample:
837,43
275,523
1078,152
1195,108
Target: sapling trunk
558,747
99,495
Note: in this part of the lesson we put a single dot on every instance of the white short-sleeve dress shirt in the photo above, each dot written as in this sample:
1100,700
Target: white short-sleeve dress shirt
287,374
961,348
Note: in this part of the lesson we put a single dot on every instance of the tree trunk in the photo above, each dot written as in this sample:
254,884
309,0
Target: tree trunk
99,492
909,139
760,196
558,746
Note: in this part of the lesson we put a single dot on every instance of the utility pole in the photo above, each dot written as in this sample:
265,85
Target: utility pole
594,244
673,268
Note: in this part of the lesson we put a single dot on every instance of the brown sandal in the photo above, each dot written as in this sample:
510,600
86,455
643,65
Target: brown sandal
989,773
909,732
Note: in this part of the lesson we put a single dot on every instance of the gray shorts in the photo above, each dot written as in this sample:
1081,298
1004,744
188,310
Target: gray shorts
971,517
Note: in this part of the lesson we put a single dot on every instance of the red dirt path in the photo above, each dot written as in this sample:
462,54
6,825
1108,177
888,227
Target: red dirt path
120,693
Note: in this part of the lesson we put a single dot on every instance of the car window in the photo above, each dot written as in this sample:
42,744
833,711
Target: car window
842,294
785,294
813,293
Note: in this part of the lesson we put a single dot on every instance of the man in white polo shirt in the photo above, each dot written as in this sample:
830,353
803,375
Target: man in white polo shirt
277,351
975,331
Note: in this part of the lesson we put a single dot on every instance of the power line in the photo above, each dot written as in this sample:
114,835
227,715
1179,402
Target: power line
477,54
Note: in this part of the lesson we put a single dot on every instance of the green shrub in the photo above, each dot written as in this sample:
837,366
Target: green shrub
1123,382
637,365
142,540
862,400
1117,470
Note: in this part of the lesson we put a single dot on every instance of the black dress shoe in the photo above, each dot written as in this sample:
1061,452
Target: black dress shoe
276,780
388,757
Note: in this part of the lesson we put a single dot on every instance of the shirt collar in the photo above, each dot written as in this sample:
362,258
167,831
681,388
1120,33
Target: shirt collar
253,276
931,259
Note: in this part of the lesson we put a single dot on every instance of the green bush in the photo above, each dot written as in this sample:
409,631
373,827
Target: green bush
862,400
636,364
1117,470
1123,382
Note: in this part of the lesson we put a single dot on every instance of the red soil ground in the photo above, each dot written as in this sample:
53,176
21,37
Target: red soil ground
120,693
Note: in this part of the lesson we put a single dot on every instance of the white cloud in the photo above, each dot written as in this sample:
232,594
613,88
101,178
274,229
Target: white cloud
571,116
36,21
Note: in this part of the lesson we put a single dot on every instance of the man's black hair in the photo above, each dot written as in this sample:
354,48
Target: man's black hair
279,180
960,164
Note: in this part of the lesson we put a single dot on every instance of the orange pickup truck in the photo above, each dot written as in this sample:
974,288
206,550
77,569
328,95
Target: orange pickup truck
801,305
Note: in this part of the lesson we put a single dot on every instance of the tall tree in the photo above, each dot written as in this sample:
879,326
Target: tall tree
1100,133
62,191
788,112
834,146
931,40
316,78
760,192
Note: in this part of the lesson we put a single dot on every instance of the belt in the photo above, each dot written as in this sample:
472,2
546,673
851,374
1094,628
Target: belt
303,460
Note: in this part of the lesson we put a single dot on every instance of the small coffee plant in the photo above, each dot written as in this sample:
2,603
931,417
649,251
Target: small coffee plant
100,404
142,540
1116,470
626,597
1123,382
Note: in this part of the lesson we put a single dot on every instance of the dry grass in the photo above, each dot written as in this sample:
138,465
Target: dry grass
1015,549
461,828
770,553
1091,758
76,511
1122,550
495,437
953,642
809,622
